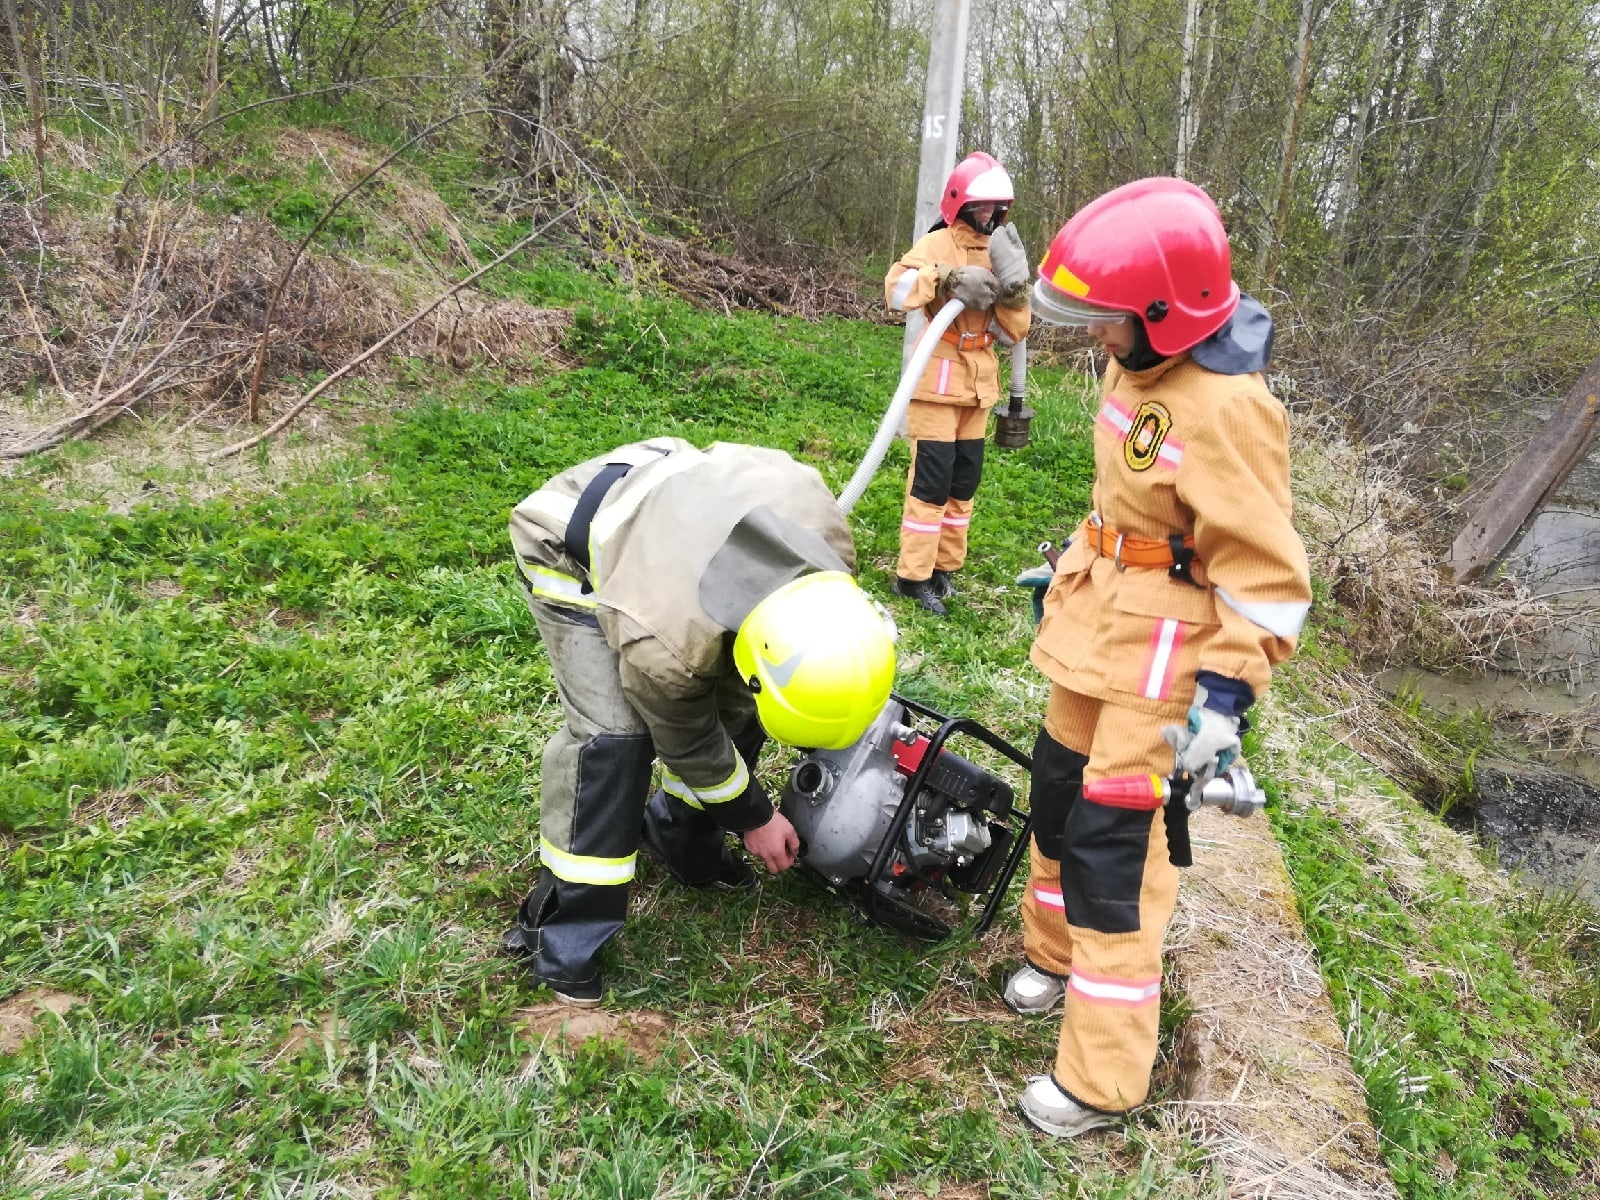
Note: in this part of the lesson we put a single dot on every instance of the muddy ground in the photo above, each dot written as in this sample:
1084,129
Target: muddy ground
1541,822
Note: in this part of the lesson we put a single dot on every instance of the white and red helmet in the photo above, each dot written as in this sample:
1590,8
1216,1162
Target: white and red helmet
978,179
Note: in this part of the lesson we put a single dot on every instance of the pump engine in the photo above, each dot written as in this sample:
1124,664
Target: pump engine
896,820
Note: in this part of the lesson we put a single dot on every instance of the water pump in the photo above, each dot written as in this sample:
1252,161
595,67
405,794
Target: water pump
913,833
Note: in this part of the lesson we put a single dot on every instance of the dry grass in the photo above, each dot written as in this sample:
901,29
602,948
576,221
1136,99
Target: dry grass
1266,1085
1405,848
1365,532
159,314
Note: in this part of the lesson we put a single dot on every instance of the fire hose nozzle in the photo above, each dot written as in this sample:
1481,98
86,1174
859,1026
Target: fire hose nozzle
1234,792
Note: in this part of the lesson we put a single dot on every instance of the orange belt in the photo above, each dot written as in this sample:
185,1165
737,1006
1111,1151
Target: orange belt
968,341
1132,551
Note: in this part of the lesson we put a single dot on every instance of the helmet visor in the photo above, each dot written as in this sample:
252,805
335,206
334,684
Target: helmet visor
997,215
1055,307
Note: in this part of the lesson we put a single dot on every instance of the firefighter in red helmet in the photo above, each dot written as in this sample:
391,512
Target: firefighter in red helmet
974,256
1176,597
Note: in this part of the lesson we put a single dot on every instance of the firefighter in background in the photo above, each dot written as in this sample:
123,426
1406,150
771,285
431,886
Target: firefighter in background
692,603
1167,612
949,409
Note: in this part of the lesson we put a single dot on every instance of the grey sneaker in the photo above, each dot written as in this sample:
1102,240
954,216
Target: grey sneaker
579,995
1050,1110
1032,993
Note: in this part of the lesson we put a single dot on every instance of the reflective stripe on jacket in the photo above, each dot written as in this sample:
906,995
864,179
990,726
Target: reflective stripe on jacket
1180,450
953,376
680,549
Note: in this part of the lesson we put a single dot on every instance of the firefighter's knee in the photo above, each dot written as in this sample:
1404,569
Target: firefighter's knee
1054,788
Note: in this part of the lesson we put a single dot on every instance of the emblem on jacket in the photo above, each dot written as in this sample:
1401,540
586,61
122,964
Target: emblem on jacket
1141,446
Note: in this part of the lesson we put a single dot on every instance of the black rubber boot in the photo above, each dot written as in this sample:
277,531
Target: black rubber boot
693,847
943,586
923,592
563,954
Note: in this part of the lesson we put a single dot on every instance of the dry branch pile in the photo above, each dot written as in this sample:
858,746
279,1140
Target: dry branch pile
166,311
165,316
720,281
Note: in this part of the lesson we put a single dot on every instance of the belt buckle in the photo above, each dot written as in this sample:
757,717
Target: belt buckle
966,338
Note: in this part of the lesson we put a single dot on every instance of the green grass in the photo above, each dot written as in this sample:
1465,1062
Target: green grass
273,762
1480,1074
270,764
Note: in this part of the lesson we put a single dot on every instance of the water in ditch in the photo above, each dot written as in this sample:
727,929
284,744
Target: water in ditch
1541,810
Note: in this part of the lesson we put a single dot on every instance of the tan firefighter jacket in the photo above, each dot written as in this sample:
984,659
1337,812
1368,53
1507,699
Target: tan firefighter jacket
680,548
1179,450
968,372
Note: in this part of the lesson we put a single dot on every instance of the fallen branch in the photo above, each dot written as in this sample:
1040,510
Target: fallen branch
301,404
85,421
44,343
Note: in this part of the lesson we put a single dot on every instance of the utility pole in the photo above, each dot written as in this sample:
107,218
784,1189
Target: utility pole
941,122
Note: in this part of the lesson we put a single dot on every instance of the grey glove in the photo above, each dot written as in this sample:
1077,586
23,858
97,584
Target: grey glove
973,286
1207,744
1009,259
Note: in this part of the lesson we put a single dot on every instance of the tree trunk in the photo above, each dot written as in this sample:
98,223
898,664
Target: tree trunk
25,44
213,48
1191,25
1269,255
1361,119
1246,67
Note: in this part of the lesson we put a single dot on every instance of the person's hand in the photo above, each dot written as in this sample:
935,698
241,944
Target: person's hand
775,843
976,287
1008,258
1206,745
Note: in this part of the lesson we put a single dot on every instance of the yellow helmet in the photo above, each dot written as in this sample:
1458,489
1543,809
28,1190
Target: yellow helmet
819,657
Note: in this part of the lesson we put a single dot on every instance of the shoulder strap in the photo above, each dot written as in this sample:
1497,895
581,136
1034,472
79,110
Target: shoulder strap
576,539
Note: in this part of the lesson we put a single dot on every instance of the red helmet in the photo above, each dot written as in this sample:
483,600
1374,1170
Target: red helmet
978,179
1155,248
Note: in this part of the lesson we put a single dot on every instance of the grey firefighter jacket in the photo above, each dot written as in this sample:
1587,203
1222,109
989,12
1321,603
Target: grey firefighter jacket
680,549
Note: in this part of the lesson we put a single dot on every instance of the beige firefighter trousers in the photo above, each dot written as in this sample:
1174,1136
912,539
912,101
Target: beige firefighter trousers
1097,916
946,465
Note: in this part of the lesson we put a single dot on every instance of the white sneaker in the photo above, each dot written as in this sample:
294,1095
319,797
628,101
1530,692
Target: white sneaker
1050,1110
1032,993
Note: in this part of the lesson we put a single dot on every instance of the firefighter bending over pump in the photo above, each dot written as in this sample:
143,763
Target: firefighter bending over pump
950,407
692,603
1175,599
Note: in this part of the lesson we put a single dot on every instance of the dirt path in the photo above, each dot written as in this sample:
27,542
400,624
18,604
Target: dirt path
1270,1086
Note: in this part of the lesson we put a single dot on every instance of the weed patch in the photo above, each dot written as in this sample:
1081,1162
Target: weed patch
268,787
1477,1084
